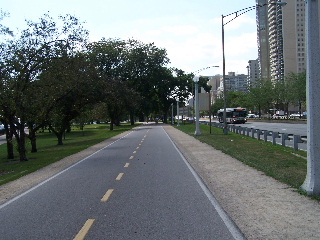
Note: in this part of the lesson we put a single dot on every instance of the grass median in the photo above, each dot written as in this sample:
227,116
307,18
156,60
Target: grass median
282,163
49,152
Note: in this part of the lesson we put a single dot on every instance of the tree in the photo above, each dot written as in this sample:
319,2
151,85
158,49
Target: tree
25,57
261,95
133,67
171,84
71,84
143,63
3,29
297,83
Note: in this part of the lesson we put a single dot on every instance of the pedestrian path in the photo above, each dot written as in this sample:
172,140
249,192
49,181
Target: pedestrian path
262,207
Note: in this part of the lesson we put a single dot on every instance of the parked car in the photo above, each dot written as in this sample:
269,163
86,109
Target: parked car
250,115
295,115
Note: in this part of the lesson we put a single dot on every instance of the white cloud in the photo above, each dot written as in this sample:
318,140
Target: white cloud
181,30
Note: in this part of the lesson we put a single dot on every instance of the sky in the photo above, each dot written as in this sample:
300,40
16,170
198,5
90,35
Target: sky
190,30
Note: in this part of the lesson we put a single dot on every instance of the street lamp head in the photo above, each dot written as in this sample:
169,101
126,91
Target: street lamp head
196,79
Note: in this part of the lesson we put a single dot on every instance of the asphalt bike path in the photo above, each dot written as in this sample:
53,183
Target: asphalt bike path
138,187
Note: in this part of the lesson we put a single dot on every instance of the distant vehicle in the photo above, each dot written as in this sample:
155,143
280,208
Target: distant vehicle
251,115
296,115
233,115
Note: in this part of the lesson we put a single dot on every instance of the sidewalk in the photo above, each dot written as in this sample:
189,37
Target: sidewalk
262,207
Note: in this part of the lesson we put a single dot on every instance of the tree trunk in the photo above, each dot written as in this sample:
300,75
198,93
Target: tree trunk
33,139
9,138
60,137
300,107
165,116
131,118
111,124
59,134
21,139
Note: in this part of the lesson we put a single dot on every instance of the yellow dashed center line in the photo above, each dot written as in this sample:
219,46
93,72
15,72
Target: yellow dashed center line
119,176
127,165
84,230
107,195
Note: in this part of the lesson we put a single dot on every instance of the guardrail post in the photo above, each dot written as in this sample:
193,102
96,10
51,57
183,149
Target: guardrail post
259,132
274,136
248,131
244,129
252,132
296,139
265,135
284,137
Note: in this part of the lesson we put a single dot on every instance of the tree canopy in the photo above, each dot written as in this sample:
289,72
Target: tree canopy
51,75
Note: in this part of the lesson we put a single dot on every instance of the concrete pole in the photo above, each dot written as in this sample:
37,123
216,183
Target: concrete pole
178,125
225,126
197,132
312,182
171,113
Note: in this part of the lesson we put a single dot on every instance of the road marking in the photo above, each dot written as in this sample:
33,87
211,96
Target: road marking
137,147
107,195
59,173
84,230
127,165
135,152
139,144
119,176
131,157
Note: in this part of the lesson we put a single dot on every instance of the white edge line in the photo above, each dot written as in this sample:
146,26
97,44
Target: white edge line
56,175
230,224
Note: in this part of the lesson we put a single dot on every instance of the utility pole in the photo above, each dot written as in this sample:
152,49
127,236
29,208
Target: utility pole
312,182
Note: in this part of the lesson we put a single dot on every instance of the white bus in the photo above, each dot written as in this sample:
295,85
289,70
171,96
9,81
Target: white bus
233,115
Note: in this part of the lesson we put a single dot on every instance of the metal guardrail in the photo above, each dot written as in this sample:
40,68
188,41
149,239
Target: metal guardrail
258,134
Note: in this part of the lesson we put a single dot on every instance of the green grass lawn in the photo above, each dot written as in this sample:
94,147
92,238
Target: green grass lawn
282,163
49,152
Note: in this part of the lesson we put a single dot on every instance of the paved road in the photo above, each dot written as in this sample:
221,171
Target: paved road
139,187
290,128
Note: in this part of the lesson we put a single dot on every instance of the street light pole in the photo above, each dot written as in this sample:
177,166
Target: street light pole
196,80
312,182
196,102
225,127
171,113
178,125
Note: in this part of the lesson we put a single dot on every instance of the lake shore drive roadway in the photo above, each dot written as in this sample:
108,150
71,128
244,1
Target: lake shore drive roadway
138,186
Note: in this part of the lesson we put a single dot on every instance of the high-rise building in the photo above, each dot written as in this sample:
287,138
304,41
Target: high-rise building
234,82
281,38
263,39
253,71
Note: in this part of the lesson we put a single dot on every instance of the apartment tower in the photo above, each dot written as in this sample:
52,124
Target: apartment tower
281,38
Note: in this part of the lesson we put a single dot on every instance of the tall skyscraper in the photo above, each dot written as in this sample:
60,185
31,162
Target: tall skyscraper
263,38
281,38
